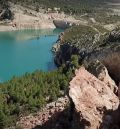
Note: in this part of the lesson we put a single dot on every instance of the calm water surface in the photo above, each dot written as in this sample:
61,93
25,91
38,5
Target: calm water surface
26,51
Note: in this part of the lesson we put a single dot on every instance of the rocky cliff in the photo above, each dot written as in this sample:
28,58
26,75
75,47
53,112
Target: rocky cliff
94,92
91,46
91,104
78,40
54,115
95,103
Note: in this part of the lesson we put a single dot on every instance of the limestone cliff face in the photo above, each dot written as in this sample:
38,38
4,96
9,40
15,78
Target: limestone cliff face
93,101
109,56
93,92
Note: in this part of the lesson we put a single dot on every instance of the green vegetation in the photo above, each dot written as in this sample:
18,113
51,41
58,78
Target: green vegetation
81,40
81,36
75,61
107,19
72,6
30,93
101,29
85,38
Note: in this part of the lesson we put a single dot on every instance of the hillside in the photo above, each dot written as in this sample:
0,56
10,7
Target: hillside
74,6
40,14
93,49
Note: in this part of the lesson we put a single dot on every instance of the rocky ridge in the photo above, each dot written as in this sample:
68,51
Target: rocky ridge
51,113
100,71
106,50
92,103
94,92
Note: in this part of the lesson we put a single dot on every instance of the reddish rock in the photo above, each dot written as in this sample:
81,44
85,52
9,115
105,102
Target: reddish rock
100,71
92,99
30,122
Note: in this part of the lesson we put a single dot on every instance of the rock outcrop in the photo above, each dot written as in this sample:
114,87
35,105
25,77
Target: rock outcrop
106,50
108,53
56,46
76,40
100,71
48,118
62,24
93,94
91,104
93,101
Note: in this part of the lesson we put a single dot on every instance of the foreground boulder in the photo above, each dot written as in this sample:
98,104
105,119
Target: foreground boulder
93,100
92,104
100,71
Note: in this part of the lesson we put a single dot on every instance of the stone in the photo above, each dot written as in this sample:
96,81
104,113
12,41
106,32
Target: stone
49,112
100,71
92,99
119,91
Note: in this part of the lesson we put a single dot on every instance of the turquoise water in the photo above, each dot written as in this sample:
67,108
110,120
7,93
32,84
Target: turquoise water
26,51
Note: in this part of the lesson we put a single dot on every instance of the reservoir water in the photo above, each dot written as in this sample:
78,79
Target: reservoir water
26,51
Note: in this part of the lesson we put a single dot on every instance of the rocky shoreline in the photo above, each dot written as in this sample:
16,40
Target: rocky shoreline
25,18
106,51
27,27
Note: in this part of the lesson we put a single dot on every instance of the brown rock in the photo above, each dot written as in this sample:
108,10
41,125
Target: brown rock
92,98
101,72
51,109
119,91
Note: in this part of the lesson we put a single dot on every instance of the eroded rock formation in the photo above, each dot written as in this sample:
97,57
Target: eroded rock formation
93,93
93,101
91,104
100,71
106,51
49,117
